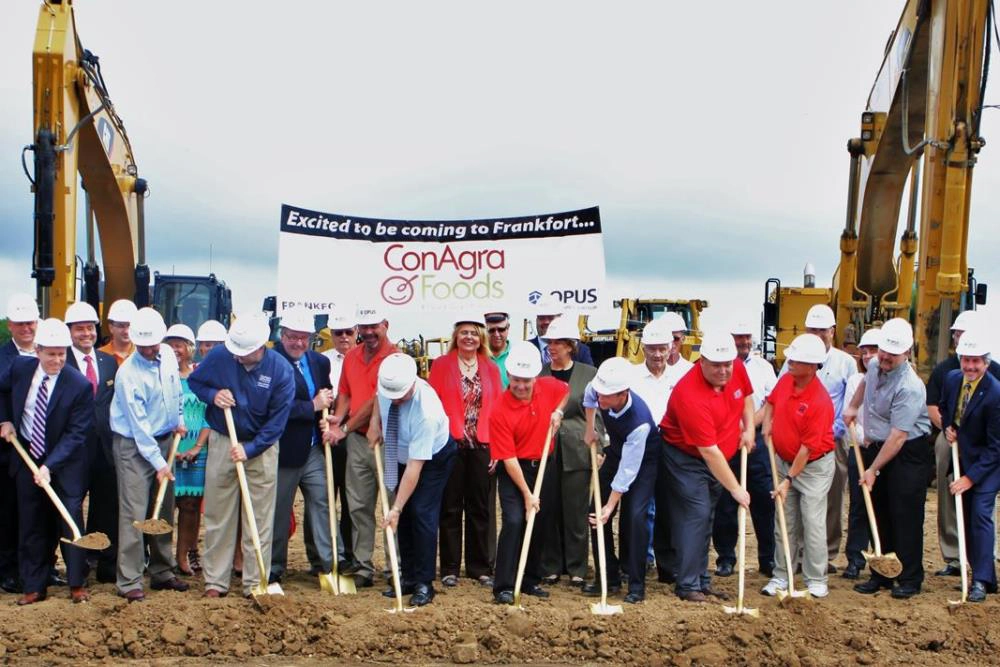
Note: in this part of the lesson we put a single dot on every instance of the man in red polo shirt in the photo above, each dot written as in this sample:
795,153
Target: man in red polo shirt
519,424
709,415
349,422
798,417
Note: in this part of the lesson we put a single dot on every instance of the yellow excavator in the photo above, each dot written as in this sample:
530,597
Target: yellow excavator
77,131
919,131
626,339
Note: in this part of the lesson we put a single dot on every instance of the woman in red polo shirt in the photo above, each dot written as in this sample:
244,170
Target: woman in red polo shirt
798,417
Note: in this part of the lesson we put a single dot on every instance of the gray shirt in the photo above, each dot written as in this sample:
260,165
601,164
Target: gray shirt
897,399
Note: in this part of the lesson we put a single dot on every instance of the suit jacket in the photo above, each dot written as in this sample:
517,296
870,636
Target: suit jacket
70,420
979,433
582,351
8,353
99,442
574,453
302,419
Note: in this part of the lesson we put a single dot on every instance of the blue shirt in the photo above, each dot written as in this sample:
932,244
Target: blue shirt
263,396
632,432
423,424
147,402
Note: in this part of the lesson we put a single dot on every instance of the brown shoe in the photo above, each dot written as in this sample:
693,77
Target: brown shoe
30,598
692,596
213,593
78,594
171,584
715,593
134,595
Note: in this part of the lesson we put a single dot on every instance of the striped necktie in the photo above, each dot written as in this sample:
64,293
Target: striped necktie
966,395
38,423
392,448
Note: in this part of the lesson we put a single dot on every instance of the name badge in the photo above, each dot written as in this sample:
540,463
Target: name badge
738,394
264,382
110,383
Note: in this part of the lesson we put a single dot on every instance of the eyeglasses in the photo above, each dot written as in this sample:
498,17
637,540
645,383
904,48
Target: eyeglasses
296,337
342,332
498,330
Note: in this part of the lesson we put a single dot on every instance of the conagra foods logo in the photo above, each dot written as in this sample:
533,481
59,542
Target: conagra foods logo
467,274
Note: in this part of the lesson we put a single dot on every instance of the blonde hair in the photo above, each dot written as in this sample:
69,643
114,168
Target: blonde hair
484,345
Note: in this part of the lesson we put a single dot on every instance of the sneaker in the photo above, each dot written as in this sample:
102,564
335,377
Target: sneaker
772,587
818,590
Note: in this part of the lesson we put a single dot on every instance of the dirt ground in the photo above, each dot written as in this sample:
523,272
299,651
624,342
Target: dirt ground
463,626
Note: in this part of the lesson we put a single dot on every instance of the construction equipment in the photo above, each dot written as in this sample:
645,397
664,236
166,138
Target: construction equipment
77,130
333,581
626,339
390,537
919,132
155,525
741,549
888,565
192,300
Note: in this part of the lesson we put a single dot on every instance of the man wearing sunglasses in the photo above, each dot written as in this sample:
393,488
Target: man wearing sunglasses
497,329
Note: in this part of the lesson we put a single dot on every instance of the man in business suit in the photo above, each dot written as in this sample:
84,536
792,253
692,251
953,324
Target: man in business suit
546,310
100,369
970,405
51,408
300,459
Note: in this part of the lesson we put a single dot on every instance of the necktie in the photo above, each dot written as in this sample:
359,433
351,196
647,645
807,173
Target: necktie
544,349
310,385
392,448
91,373
966,395
38,423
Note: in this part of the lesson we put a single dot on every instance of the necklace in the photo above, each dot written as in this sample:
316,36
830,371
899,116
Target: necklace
469,366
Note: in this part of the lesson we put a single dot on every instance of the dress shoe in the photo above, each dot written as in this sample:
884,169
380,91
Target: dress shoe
172,584
715,593
504,597
486,580
634,598
536,591
904,592
363,582
593,590
405,589
348,567
10,585
449,580
831,568
766,571
422,595
214,593
949,571
550,580
56,579
724,570
78,594
852,571
871,586
692,596
666,578
978,592
30,598
134,595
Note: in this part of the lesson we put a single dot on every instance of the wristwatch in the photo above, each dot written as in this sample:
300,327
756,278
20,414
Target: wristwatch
790,477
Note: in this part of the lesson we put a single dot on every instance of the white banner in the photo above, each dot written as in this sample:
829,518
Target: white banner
328,261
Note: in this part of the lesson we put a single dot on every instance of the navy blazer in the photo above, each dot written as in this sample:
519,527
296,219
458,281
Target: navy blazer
99,442
8,353
979,434
582,351
70,419
302,419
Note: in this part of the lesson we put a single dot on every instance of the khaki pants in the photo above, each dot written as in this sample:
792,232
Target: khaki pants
362,493
805,514
835,501
136,494
222,511
947,522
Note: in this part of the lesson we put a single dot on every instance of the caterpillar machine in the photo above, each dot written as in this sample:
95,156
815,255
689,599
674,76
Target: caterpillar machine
77,130
626,339
920,127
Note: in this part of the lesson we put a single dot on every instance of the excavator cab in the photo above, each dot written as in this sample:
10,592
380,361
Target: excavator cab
192,300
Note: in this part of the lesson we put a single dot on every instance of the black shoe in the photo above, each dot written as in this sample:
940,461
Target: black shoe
766,571
405,589
172,584
504,597
348,567
871,586
852,571
724,570
422,595
634,598
274,578
363,582
56,579
949,571
978,592
536,591
666,577
10,585
831,568
714,592
905,592
594,590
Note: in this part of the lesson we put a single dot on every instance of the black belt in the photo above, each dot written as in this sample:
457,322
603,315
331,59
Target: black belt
531,463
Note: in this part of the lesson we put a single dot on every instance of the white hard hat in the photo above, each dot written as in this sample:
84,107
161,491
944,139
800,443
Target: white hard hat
181,331
897,336
477,320
820,316
147,327
122,310
807,349
369,315
524,360
672,321
613,376
396,375
339,319
742,328
52,333
211,331
718,346
298,318
973,343
80,312
657,332
562,328
871,338
22,308
247,334
549,305
965,320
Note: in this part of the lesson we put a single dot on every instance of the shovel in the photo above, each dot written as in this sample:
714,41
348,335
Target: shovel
262,588
333,581
390,537
601,608
960,516
739,608
888,565
531,519
92,541
780,504
156,525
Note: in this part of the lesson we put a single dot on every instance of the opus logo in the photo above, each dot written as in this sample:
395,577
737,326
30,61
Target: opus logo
534,296
567,296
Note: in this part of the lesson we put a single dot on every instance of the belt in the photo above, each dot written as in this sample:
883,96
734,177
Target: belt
531,463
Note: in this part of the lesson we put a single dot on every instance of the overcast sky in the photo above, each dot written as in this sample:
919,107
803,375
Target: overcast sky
712,135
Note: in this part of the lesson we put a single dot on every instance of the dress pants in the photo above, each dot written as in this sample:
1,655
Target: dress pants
344,547
137,488
222,513
513,522
102,510
39,527
835,503
759,484
362,493
858,531
311,479
663,545
947,521
467,492
566,550
979,508
898,498
418,522
694,494
805,518
8,518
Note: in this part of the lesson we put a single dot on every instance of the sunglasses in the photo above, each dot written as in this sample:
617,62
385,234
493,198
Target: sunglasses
342,332
498,330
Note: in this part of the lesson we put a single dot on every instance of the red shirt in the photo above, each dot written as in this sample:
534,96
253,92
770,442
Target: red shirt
698,416
801,418
518,428
358,379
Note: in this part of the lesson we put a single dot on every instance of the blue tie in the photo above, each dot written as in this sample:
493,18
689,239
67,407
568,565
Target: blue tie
303,367
392,448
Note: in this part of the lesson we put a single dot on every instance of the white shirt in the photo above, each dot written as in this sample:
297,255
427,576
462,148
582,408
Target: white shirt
28,418
26,353
336,366
852,386
762,378
81,362
655,391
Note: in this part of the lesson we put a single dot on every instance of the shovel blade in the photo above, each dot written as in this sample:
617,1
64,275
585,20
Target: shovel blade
153,527
90,541
745,611
605,609
337,584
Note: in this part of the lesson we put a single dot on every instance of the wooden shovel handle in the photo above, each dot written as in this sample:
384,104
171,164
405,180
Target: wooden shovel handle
247,502
47,488
162,491
782,525
390,537
864,490
536,491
